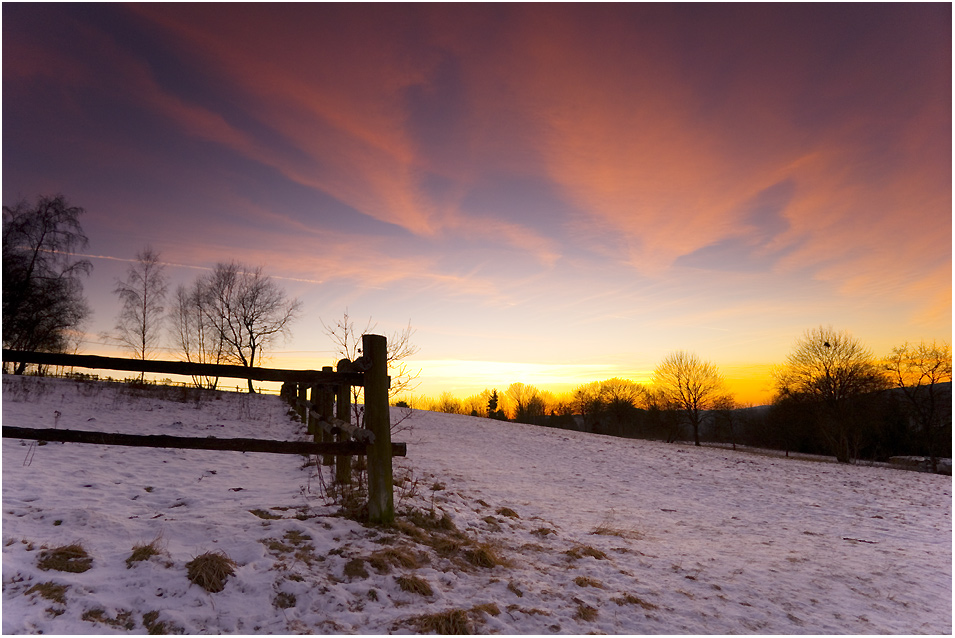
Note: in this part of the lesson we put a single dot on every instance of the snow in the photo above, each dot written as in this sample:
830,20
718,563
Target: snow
694,540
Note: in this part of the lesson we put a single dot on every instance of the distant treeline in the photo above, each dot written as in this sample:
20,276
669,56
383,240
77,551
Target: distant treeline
879,424
832,397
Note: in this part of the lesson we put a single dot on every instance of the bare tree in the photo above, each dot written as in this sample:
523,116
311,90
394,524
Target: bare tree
43,304
831,368
348,346
692,385
918,370
248,311
197,337
143,293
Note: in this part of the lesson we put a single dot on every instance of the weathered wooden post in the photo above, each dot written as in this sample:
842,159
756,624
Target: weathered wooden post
381,500
303,409
313,428
327,407
343,412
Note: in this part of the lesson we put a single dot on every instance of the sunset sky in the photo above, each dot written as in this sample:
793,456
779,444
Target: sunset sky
551,194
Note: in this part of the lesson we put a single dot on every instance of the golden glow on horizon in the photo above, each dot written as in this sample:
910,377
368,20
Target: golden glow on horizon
748,384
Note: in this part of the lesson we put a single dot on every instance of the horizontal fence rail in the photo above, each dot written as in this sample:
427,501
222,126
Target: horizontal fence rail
194,443
184,368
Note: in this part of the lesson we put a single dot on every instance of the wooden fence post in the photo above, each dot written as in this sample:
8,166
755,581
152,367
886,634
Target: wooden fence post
327,407
303,410
343,412
381,500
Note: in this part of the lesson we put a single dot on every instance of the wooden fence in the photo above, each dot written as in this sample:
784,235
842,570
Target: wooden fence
326,415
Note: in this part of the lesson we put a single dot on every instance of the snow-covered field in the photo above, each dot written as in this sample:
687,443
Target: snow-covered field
595,534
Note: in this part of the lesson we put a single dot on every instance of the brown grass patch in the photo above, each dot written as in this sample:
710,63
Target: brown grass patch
543,531
585,581
488,608
586,612
355,568
143,551
211,570
50,591
484,555
284,600
450,622
383,560
123,620
507,511
68,558
269,516
156,627
512,586
630,599
529,612
430,521
585,550
415,585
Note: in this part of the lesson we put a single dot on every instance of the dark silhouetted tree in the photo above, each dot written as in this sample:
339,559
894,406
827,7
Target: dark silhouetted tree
528,403
43,304
691,385
832,370
918,370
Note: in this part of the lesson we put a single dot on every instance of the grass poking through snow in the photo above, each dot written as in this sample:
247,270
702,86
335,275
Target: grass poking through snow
211,570
68,558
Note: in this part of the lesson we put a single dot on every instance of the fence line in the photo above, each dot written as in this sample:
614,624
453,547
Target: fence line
184,368
325,416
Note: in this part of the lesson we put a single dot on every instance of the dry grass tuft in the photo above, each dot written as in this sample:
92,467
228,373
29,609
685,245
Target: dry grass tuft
586,581
607,528
430,521
284,600
483,555
530,612
156,627
269,516
513,587
355,568
143,552
632,534
507,511
585,550
415,585
450,622
123,620
383,560
68,558
488,608
50,591
543,532
586,612
630,599
211,570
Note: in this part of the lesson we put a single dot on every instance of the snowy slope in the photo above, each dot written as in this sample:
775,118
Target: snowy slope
692,540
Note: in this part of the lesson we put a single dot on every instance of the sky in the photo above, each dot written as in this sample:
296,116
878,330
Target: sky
549,194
